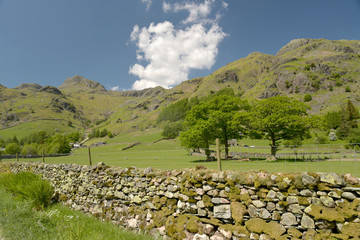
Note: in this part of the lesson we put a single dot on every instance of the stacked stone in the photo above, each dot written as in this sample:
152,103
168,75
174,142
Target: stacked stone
205,204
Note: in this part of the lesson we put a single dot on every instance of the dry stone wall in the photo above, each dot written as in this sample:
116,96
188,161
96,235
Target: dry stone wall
206,204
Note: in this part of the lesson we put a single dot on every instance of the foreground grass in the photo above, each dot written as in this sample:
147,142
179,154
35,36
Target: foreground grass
18,220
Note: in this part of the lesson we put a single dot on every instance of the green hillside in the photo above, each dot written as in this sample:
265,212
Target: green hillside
327,70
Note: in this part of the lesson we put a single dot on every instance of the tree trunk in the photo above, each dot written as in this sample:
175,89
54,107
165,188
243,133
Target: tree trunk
273,148
226,143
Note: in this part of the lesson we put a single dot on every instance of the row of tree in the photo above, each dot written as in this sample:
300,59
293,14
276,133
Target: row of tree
225,116
40,141
228,117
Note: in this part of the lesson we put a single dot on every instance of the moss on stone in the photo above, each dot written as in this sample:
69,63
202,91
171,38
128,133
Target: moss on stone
304,201
230,183
347,210
159,219
163,200
323,187
171,203
274,229
237,211
193,225
324,213
293,190
351,230
235,229
294,232
207,201
213,221
339,236
255,225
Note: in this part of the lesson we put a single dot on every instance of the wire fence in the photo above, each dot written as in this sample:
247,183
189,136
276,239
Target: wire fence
338,158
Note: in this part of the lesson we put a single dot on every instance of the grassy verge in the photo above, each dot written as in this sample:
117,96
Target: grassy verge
20,220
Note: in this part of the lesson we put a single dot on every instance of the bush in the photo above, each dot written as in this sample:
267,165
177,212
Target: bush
332,136
29,186
307,98
172,129
347,89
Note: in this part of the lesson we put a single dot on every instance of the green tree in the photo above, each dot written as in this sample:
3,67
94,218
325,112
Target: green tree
172,129
279,118
30,149
333,119
174,112
59,144
210,120
349,117
12,148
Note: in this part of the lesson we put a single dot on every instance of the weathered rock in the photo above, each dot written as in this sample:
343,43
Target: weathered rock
219,201
222,211
200,237
307,222
348,195
271,194
258,203
327,201
288,219
264,214
333,179
306,193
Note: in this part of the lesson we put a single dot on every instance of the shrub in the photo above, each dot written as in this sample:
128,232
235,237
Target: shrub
332,136
29,186
347,89
307,98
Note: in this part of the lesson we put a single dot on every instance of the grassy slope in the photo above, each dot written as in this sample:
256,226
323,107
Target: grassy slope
19,221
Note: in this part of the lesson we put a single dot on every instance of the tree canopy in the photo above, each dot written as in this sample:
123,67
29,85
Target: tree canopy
279,118
210,120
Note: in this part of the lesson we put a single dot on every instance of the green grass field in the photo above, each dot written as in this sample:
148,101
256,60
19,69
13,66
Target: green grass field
169,155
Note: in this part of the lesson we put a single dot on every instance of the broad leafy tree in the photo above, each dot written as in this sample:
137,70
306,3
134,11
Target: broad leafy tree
279,118
210,120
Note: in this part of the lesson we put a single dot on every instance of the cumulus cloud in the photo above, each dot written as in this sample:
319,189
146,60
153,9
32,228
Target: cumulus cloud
148,3
116,88
170,52
197,12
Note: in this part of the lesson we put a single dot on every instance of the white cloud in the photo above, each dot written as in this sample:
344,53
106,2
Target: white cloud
116,88
166,54
197,12
148,4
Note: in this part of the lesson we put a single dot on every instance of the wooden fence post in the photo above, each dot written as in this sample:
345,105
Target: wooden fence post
89,152
43,155
218,153
17,157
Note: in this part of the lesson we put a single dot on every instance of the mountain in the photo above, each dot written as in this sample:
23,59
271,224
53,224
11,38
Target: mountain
81,84
327,70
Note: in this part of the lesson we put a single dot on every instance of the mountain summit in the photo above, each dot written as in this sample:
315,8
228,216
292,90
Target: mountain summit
79,83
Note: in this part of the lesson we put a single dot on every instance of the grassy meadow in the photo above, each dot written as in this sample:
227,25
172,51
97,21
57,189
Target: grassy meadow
169,155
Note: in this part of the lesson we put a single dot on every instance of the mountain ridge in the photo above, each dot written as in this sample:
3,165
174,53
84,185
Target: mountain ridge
328,70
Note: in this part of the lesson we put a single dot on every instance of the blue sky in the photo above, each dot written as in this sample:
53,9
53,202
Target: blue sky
133,44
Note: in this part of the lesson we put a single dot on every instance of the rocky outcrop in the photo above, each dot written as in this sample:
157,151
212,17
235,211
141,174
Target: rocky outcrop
208,204
148,92
30,86
79,83
52,90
